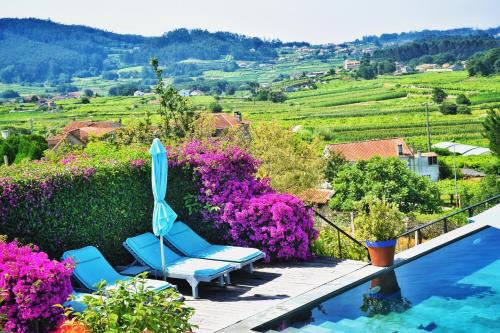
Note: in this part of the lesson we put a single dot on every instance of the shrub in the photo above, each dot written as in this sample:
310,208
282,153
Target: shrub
279,224
9,94
277,97
293,165
98,197
462,99
85,100
31,285
448,108
103,195
215,107
389,178
378,220
463,109
228,190
132,307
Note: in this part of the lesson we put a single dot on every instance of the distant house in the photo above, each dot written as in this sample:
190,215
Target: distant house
138,93
314,74
224,121
184,92
426,67
424,164
351,64
456,67
79,132
73,95
196,93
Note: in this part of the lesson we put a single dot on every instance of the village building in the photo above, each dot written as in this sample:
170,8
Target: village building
424,164
138,93
351,64
426,67
222,122
80,132
196,93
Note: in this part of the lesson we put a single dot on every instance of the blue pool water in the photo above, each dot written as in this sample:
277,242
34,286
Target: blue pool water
453,289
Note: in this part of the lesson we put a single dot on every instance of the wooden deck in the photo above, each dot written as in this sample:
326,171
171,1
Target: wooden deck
268,286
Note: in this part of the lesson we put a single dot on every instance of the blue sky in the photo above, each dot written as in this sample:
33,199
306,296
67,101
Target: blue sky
317,21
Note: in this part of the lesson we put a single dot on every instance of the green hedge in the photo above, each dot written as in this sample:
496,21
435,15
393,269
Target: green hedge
85,200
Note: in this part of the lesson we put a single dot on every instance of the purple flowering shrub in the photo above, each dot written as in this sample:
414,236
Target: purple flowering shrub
279,224
31,285
246,206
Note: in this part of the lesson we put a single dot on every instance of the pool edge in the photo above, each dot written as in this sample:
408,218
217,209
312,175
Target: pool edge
351,280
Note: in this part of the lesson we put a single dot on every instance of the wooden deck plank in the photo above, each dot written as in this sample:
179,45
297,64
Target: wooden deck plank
267,287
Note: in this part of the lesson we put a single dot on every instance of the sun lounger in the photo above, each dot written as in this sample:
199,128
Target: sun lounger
91,268
189,243
146,249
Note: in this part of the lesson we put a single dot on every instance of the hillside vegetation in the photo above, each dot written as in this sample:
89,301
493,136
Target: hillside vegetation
339,110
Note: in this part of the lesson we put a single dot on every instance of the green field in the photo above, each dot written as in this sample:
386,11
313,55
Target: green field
340,110
349,110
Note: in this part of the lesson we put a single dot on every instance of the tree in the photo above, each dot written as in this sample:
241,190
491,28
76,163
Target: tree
463,109
277,97
292,164
492,130
334,164
387,178
88,92
462,99
9,94
448,108
177,116
84,100
215,107
110,75
438,95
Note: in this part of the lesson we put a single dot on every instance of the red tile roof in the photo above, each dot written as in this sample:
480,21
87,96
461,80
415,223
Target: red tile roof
225,120
316,196
81,130
364,150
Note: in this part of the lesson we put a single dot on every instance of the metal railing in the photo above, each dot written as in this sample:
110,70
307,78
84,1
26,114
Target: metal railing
341,232
417,231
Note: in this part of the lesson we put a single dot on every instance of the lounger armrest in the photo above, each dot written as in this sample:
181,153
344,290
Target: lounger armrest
132,270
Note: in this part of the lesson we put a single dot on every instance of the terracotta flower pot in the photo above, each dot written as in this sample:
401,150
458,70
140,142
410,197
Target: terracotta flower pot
382,253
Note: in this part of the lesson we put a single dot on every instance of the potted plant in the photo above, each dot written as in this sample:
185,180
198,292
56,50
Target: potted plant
378,224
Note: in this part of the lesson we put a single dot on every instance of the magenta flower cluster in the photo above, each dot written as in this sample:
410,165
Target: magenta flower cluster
31,285
278,224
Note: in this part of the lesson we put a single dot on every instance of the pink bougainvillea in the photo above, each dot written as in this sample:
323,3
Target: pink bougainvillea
278,224
31,285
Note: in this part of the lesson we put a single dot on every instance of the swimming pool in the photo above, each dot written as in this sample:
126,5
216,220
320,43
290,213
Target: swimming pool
453,289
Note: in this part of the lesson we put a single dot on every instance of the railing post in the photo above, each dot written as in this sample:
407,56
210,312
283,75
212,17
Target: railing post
445,226
417,237
339,244
470,211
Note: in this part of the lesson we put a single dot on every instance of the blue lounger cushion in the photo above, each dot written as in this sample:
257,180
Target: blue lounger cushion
91,268
147,248
183,238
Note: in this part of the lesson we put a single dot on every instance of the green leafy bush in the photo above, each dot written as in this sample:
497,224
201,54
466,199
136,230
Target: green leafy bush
215,107
133,308
463,109
448,108
100,196
387,178
462,99
378,220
